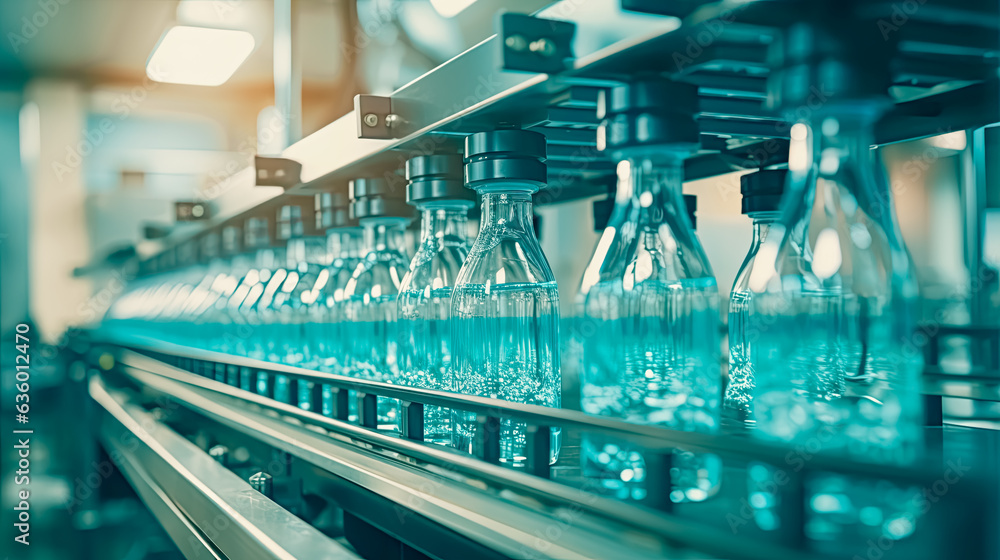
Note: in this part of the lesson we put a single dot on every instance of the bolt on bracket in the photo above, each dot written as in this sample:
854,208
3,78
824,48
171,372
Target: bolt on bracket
534,44
375,116
277,172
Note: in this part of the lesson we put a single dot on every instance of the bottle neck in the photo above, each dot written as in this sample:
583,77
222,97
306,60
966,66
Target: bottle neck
267,257
762,224
510,210
345,243
655,186
384,234
444,222
845,172
310,250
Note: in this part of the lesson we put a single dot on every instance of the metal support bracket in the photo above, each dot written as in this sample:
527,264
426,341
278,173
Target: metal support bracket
532,44
277,172
375,116
185,211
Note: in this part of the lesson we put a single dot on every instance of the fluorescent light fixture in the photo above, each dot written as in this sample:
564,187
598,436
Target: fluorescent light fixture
451,8
198,56
229,14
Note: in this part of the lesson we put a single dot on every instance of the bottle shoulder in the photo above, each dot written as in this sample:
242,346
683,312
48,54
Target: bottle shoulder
379,274
658,255
506,255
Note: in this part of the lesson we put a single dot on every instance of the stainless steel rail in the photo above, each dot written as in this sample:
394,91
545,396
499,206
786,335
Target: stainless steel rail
207,510
652,438
232,406
445,497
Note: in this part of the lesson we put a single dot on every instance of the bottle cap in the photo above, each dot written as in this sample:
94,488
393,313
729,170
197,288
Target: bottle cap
256,234
290,222
652,111
826,58
436,178
505,156
376,197
762,190
333,211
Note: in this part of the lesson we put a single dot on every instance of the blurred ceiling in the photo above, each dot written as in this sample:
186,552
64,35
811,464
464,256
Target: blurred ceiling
110,40
178,142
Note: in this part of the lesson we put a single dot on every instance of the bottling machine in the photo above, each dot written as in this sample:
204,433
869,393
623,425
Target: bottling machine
240,457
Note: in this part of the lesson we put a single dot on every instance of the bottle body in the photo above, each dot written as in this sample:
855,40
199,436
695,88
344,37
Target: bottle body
837,351
745,329
370,307
505,320
328,329
424,310
654,355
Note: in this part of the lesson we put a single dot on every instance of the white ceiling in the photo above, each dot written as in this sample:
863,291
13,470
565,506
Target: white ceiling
111,39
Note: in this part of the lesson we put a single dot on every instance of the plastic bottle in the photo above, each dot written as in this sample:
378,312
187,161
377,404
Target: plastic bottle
437,190
650,296
761,196
371,293
505,304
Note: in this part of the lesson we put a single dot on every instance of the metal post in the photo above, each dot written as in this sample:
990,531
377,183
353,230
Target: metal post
316,398
368,410
488,438
539,450
287,71
659,481
413,420
341,407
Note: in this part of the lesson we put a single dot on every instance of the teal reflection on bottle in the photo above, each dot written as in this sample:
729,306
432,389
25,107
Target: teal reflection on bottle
371,293
505,304
649,318
761,198
650,298
836,362
424,303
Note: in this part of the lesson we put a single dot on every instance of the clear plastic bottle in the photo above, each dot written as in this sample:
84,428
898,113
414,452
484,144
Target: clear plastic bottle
224,331
206,292
505,304
284,305
837,356
424,304
650,297
371,292
170,314
836,363
248,307
836,367
344,240
761,197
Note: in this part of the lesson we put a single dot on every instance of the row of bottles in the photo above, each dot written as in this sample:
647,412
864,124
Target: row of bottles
479,318
819,315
